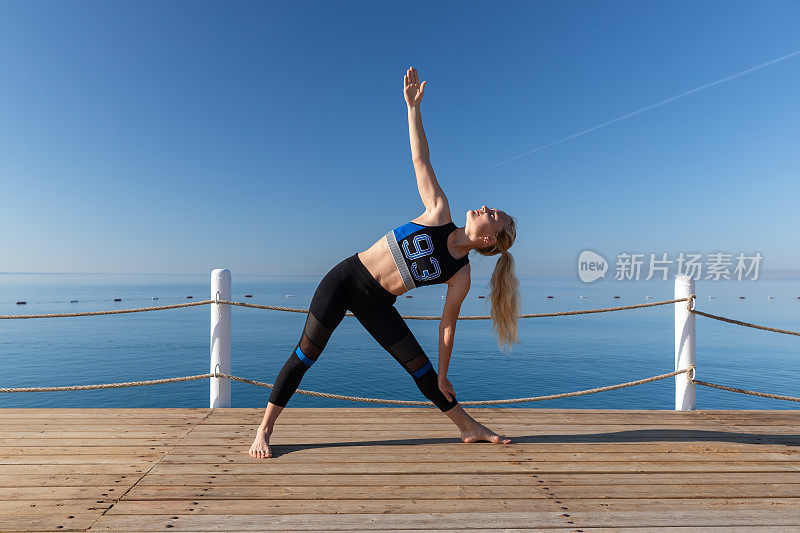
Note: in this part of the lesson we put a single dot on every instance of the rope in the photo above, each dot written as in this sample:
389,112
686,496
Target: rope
106,385
746,324
115,312
690,368
744,391
563,313
340,396
294,310
690,303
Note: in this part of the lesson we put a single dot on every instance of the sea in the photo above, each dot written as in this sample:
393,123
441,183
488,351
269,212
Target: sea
556,354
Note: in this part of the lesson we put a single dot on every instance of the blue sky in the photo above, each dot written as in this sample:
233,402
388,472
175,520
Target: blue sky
271,138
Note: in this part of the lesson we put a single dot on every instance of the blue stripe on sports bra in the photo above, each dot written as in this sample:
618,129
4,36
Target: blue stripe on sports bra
406,229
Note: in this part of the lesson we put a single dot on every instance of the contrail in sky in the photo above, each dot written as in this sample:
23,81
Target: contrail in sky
648,108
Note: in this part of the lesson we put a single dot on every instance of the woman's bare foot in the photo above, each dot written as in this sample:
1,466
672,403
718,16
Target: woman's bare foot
477,432
471,429
260,447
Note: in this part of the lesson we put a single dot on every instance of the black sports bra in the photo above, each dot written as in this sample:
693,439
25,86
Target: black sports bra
421,254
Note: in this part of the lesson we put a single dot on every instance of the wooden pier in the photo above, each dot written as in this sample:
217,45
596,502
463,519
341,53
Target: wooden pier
398,469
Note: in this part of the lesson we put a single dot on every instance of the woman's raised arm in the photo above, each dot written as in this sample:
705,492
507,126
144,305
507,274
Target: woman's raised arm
429,189
413,93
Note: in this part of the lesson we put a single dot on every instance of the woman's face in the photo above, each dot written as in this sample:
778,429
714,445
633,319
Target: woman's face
485,222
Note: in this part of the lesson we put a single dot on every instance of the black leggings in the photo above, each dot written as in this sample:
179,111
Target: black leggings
349,285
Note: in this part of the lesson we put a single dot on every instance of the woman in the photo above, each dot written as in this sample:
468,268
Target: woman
430,249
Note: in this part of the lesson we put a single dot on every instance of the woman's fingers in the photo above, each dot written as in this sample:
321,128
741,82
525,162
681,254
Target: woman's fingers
412,78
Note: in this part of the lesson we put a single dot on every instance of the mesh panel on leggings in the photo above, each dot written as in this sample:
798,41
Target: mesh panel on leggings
315,336
409,353
417,363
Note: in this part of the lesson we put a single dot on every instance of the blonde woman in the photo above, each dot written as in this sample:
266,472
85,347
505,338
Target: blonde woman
429,249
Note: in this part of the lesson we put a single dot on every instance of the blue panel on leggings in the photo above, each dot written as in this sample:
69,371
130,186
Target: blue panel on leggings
424,369
405,230
308,361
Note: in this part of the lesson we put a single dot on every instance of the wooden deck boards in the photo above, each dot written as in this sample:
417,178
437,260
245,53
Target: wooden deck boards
398,469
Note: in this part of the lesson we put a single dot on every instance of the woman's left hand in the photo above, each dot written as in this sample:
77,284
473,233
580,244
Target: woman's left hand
447,388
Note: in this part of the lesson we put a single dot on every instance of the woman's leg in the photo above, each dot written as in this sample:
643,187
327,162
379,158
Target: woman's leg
390,330
327,309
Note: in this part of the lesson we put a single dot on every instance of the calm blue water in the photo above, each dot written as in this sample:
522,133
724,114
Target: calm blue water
558,354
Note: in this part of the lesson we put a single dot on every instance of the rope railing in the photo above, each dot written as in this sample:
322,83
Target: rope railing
690,368
295,310
745,391
690,302
341,396
112,312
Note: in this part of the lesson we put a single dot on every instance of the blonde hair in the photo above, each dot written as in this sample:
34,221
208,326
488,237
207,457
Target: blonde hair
504,288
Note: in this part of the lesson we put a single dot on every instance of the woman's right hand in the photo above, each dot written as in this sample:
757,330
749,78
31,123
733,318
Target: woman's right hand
412,90
447,388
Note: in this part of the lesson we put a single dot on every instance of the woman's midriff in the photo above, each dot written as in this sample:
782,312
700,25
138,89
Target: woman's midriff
380,263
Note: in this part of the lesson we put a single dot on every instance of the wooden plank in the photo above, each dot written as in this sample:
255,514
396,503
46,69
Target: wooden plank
26,507
678,529
13,429
433,505
696,478
697,431
107,412
684,517
501,454
262,522
82,450
289,417
364,431
367,504
737,504
78,434
201,505
387,492
597,446
457,492
458,447
49,480
356,521
449,479
97,493
280,438
48,522
749,490
113,413
42,440
444,467
76,460
127,469
444,448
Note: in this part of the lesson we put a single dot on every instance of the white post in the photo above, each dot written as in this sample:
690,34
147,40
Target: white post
685,393
220,337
